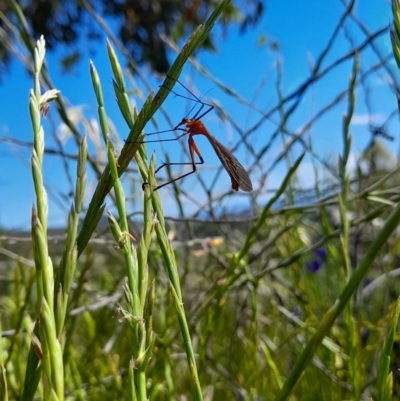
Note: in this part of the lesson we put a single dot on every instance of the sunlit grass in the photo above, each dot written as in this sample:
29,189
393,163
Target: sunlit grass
286,301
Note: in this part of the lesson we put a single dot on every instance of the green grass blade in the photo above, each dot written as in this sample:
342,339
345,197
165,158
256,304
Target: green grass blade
385,377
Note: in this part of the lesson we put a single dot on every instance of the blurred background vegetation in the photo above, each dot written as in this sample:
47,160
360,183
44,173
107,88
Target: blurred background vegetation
293,297
139,25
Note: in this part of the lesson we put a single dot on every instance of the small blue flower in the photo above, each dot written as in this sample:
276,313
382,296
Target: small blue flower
365,333
367,281
315,264
297,311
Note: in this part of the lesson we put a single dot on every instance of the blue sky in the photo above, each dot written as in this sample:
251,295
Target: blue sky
302,29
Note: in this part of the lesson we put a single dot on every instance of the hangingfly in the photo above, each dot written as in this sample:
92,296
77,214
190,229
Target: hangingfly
193,126
237,173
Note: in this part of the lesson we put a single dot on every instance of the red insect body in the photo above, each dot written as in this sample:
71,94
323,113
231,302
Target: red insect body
239,177
193,126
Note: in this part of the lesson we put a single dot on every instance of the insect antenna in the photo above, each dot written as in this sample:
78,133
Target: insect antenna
194,98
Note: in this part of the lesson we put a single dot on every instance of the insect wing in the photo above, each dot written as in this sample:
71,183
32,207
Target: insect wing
235,170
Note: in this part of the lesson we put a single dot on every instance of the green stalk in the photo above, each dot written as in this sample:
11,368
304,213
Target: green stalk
172,271
120,230
251,236
66,271
121,235
136,290
385,376
395,31
352,326
3,379
52,362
